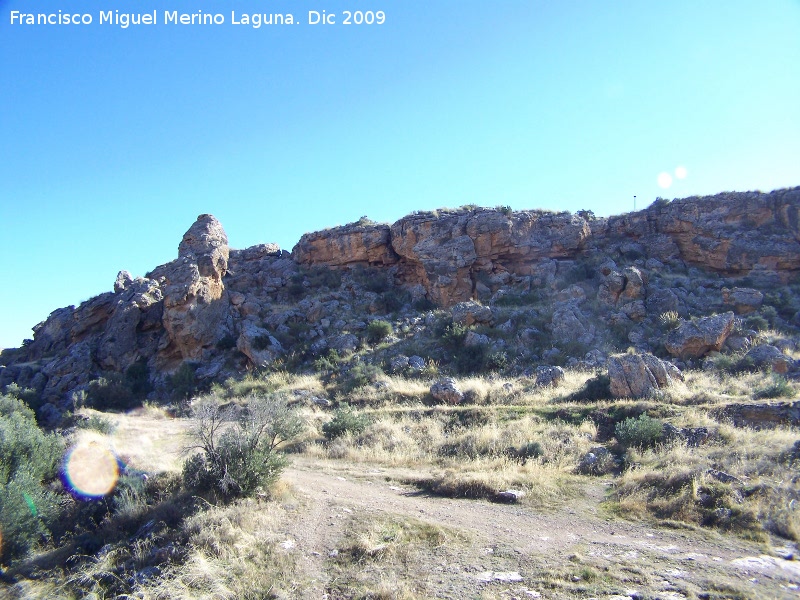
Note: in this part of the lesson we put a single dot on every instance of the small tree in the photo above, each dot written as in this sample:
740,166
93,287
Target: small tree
378,330
239,447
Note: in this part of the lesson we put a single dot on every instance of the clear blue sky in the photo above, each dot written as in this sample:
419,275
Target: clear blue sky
113,140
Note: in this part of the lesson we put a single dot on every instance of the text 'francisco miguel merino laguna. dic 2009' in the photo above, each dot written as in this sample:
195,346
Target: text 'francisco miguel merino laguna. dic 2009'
173,17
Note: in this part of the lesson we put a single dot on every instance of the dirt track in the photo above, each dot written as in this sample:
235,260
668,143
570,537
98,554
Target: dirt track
663,563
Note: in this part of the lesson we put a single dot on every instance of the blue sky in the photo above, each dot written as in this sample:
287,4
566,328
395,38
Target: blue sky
113,140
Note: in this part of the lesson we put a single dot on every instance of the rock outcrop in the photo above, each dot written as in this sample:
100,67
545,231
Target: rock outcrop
539,287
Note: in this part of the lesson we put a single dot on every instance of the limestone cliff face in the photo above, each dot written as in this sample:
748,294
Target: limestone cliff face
452,253
359,243
732,233
227,310
446,252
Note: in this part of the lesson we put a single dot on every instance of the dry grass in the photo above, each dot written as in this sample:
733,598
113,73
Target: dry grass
387,558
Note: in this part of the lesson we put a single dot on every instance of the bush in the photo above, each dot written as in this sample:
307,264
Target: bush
110,392
184,381
779,387
359,375
327,363
453,334
97,423
137,378
239,452
641,433
669,319
424,304
345,420
29,459
378,330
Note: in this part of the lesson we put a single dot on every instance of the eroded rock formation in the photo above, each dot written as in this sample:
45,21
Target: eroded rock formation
591,280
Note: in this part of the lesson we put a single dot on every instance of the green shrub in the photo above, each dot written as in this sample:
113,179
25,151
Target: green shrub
453,335
29,459
328,362
110,392
97,423
756,322
345,420
27,395
642,432
779,387
471,359
497,361
239,452
378,330
137,378
424,304
669,319
359,375
184,381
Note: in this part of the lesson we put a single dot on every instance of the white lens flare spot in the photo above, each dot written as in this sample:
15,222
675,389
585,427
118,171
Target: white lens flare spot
681,172
91,470
664,180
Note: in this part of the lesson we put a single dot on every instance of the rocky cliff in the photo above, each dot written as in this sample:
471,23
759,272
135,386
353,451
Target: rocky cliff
555,281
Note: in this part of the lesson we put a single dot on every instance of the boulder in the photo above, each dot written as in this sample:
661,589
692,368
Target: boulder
470,313
638,375
509,496
258,345
475,339
598,461
569,323
765,356
446,390
416,363
743,300
362,242
549,376
696,338
762,415
691,436
398,364
345,343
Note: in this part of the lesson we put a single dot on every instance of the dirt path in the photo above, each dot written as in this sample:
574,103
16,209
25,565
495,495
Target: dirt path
517,542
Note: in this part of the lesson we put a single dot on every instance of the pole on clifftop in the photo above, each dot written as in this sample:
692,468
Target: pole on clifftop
634,203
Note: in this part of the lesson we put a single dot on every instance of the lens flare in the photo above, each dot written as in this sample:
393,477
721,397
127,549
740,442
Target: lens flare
90,470
681,172
664,180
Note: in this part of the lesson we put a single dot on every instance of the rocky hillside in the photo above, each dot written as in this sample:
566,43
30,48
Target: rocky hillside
459,290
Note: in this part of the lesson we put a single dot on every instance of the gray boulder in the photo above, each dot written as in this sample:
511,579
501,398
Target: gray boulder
398,363
549,376
765,356
743,300
257,344
693,339
446,390
475,339
638,375
470,313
